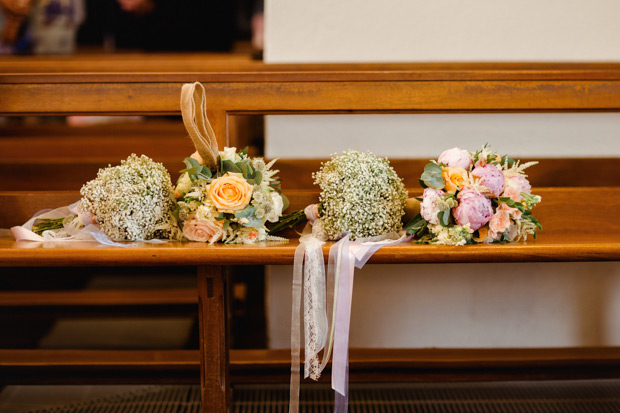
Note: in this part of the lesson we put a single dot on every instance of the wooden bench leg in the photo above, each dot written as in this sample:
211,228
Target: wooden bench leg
213,313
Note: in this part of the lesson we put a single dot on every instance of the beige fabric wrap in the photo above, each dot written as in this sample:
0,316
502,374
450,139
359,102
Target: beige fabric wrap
194,111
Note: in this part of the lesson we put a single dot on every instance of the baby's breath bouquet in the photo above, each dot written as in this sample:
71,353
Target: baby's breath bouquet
133,201
362,202
129,202
232,203
360,194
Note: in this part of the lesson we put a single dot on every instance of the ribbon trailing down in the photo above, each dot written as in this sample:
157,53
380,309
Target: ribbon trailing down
319,292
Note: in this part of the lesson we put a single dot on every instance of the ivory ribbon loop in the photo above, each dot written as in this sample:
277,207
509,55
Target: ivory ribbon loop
194,112
321,292
72,232
348,255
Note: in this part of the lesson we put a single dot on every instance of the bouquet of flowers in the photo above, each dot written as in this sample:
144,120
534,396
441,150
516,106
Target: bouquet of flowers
362,202
360,193
478,197
130,202
233,203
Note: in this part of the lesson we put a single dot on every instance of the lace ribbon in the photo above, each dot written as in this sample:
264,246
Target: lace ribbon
309,276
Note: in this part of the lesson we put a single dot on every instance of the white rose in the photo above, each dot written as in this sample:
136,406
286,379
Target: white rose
184,184
230,154
278,204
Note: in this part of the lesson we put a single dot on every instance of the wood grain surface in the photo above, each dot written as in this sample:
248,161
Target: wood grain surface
262,365
575,229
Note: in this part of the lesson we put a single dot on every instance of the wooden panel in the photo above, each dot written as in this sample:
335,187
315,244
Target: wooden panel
312,96
550,172
99,366
598,238
213,314
135,67
67,174
175,366
133,297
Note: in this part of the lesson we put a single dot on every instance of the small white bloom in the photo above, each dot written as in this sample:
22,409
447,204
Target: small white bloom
230,154
278,204
184,184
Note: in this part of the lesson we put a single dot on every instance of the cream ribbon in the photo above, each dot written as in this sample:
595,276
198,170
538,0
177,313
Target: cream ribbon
194,112
332,290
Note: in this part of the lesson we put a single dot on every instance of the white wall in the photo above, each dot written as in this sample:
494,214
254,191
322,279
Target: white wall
451,305
441,30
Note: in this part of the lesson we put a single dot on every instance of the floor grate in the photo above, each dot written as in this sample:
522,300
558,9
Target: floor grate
503,397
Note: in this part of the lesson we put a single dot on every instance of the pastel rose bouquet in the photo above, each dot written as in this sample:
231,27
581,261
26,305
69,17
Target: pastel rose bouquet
232,204
474,197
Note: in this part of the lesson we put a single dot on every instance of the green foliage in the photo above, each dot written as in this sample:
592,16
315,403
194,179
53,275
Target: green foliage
195,170
431,177
417,226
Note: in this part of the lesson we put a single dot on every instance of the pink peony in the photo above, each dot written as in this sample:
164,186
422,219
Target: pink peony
428,209
456,158
201,230
515,185
474,209
490,176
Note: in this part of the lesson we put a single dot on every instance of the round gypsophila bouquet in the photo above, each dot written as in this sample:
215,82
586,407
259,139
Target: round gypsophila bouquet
233,203
475,197
360,194
133,201
130,202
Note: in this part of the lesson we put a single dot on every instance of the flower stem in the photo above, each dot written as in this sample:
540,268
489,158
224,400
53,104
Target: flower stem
288,221
47,224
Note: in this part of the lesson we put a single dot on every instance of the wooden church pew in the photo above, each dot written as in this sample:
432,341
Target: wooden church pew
335,89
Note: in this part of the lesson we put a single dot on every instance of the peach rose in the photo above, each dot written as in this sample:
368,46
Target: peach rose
230,193
456,179
514,212
499,223
202,230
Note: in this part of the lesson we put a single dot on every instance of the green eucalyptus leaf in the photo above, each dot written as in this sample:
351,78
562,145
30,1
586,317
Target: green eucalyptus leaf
422,184
243,166
206,172
230,166
432,168
437,182
254,222
247,212
258,177
190,162
445,220
415,224
194,171
226,224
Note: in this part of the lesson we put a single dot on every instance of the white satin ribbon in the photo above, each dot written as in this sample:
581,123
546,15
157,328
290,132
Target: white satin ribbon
90,231
344,256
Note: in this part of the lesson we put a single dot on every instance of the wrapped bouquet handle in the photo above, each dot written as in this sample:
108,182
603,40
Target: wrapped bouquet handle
194,112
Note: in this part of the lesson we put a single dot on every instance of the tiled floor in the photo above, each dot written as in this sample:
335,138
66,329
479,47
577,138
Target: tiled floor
514,397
